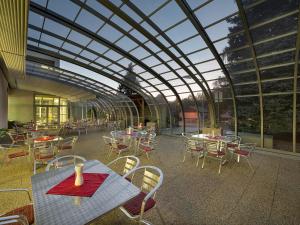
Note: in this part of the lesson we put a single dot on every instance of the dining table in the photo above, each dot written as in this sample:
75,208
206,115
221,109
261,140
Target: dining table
62,209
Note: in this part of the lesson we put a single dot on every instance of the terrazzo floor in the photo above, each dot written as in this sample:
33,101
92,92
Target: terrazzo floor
191,195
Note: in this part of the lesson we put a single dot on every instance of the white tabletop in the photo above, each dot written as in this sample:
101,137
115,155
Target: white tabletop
60,209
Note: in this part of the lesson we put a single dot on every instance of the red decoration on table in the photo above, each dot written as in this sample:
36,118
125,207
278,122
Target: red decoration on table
47,138
91,182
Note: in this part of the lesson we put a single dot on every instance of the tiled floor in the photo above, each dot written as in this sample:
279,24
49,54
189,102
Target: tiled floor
190,195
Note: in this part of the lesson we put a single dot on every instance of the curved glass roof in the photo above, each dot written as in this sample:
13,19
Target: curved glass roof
231,63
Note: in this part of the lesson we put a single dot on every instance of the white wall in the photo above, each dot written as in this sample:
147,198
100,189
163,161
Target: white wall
3,101
20,105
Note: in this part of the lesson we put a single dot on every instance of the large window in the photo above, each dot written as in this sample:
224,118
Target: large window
50,110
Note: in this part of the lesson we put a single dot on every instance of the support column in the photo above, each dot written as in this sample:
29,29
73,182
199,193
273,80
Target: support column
3,100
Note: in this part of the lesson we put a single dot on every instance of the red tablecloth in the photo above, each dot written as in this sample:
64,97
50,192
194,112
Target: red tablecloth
46,138
92,182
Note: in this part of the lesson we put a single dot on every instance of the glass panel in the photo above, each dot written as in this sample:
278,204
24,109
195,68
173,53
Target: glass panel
277,59
65,8
41,115
278,116
168,15
222,8
182,31
282,26
56,28
35,19
249,89
79,38
190,113
89,21
277,86
249,117
270,10
53,115
298,122
110,33
284,71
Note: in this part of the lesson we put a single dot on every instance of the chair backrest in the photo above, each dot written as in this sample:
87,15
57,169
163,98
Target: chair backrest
107,140
43,151
64,161
212,146
131,163
152,179
248,147
234,139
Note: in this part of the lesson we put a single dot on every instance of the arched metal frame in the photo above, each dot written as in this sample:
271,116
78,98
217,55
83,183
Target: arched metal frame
127,83
202,31
52,15
110,98
134,24
194,20
253,52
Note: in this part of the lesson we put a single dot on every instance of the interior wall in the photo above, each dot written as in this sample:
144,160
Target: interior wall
3,101
20,105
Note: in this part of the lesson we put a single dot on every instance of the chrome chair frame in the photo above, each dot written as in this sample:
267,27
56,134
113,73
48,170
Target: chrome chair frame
151,183
131,163
20,219
55,162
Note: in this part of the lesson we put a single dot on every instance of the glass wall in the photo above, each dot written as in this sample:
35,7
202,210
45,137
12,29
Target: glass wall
195,63
50,110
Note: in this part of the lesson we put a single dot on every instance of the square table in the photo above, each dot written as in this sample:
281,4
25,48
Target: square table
60,209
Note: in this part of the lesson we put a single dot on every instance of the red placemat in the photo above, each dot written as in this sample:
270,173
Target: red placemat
91,182
47,138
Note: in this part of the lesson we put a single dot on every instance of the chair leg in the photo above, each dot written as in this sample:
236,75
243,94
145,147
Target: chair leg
147,154
203,161
34,167
250,165
198,160
220,166
238,158
184,156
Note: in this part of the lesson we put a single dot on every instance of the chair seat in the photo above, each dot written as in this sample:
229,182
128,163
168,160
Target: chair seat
17,154
232,145
197,149
46,157
134,205
147,148
241,152
216,154
121,147
19,138
65,147
26,210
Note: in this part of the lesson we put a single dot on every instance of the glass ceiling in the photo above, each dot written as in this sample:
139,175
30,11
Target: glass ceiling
230,62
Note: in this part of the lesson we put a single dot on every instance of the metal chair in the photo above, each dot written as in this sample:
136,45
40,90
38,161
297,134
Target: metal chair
146,200
107,142
245,151
23,215
117,147
148,144
67,144
234,142
131,163
214,150
193,146
14,152
42,154
16,137
64,161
